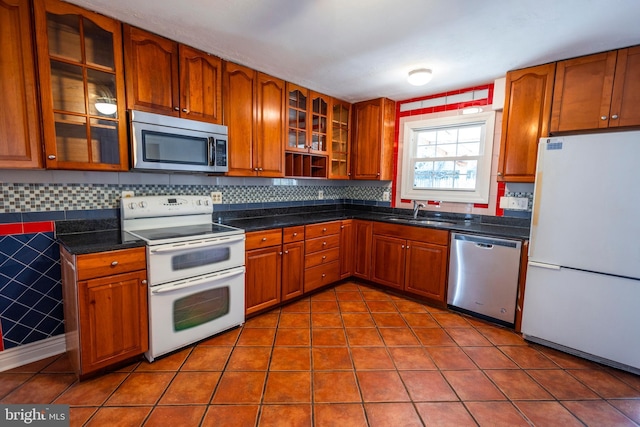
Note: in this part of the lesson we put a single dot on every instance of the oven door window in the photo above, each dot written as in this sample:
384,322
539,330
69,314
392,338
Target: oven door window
205,257
200,308
162,147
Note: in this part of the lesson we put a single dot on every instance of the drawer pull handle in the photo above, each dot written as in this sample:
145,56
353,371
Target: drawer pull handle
324,275
264,239
324,257
295,234
324,229
114,263
324,243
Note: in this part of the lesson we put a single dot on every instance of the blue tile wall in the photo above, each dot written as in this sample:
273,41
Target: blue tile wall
30,288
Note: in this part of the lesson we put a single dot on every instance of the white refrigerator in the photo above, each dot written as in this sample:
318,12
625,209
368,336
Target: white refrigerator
582,290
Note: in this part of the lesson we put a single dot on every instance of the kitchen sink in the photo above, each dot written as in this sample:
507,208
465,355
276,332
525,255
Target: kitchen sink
421,221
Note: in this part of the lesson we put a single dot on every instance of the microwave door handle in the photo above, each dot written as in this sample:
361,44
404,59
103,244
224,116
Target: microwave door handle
212,151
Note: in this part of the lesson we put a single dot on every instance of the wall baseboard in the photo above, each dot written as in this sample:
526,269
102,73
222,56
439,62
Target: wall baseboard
28,353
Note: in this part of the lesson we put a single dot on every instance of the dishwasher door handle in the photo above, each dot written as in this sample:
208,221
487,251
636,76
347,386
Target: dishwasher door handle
484,246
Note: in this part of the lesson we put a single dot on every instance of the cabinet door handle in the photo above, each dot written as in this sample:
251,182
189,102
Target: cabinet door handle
184,110
603,117
255,169
51,157
176,108
614,117
114,263
286,252
144,282
280,253
408,246
402,246
342,227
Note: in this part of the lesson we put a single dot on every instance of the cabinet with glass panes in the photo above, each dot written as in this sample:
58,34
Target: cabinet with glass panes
340,140
81,88
308,133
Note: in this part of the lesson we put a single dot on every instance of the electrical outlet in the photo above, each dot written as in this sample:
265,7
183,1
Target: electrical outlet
126,194
216,197
385,196
320,194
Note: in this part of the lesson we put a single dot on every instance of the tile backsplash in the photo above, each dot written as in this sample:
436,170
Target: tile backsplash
93,191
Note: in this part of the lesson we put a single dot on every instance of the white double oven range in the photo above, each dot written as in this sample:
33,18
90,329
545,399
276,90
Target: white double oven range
195,269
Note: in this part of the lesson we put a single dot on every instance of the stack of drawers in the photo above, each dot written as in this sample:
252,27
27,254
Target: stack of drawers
322,255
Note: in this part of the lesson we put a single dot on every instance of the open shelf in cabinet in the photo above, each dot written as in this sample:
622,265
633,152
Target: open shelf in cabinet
305,165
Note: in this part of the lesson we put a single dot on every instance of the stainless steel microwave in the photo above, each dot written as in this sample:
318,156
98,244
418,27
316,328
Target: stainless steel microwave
165,143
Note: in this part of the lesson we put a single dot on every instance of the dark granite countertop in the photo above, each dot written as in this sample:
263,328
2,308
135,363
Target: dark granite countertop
91,236
491,226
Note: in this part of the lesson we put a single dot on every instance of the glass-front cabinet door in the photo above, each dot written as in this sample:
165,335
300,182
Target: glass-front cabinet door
298,124
340,149
320,113
82,88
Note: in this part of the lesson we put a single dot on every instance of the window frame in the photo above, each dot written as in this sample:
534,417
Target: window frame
483,181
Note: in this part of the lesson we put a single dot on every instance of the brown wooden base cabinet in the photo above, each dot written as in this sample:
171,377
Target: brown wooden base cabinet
322,254
292,262
347,248
362,237
105,308
411,259
274,260
263,261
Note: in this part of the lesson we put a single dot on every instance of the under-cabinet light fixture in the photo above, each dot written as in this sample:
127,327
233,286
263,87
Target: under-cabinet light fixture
106,105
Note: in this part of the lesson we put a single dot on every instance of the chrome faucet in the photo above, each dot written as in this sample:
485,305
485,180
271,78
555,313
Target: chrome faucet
416,207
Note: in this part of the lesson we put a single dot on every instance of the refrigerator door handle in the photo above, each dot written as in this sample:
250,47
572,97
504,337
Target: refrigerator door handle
543,265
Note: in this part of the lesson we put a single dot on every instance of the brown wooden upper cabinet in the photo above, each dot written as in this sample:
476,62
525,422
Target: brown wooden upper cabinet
373,133
169,78
527,111
20,118
81,88
255,112
339,157
597,91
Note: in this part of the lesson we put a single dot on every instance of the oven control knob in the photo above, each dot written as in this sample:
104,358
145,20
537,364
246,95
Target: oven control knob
142,204
132,205
203,202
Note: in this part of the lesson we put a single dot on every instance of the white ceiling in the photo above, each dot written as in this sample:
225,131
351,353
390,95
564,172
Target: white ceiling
363,49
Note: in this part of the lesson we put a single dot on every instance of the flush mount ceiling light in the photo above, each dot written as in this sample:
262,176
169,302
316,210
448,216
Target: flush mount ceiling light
420,77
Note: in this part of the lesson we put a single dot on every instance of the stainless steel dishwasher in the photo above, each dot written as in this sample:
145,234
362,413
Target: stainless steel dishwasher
483,276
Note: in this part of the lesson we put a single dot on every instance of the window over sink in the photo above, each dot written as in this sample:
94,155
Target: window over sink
448,158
